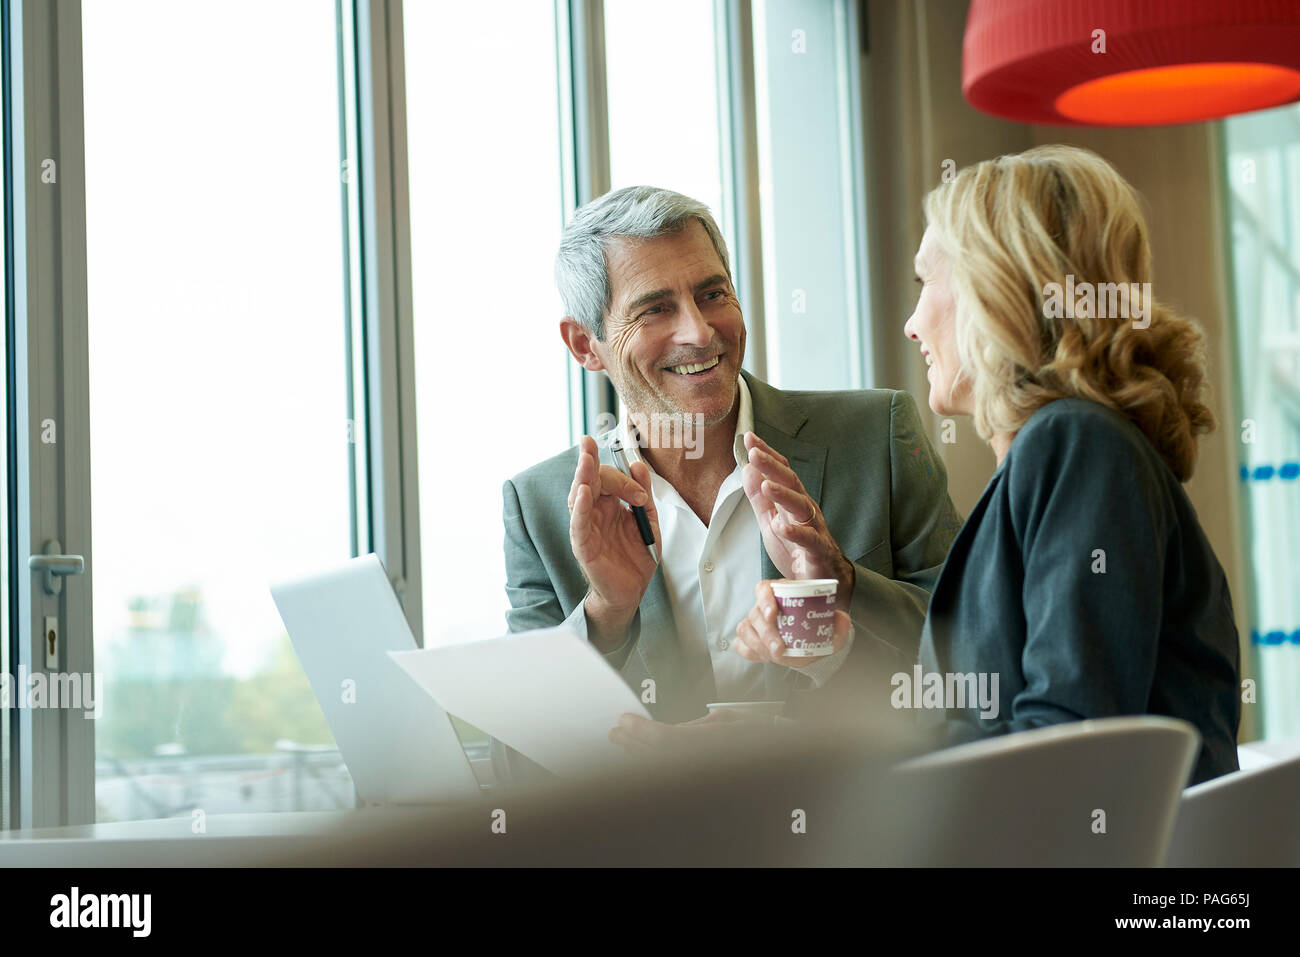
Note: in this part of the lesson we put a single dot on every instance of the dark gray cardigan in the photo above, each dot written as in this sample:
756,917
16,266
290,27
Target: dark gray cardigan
1083,579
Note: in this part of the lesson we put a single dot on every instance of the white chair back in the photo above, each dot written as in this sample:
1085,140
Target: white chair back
1250,818
1099,793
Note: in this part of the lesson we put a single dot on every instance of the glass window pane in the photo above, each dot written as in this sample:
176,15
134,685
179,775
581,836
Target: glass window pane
5,535
1263,198
486,213
807,171
660,69
218,387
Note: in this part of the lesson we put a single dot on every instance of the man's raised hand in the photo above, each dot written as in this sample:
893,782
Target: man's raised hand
606,541
794,531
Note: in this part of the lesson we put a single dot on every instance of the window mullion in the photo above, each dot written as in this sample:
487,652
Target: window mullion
386,281
56,746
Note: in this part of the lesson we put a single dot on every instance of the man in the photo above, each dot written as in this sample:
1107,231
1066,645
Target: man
753,483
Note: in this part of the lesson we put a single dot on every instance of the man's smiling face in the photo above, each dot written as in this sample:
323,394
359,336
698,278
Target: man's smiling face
674,336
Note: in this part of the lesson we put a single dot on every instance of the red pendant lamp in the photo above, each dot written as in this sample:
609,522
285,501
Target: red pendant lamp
1130,62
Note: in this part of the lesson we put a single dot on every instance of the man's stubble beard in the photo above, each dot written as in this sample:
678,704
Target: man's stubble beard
665,408
674,424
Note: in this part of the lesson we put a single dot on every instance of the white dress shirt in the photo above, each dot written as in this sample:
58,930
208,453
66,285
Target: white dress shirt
710,572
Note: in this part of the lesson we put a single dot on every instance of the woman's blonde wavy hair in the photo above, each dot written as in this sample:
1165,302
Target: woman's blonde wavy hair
1012,225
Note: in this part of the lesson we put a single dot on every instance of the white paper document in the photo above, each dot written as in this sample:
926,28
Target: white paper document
546,693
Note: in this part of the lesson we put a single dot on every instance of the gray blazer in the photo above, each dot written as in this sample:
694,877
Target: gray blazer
861,454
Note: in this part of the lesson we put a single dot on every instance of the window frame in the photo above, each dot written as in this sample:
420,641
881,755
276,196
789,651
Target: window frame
52,775
8,607
53,766
584,163
385,281
53,751
738,145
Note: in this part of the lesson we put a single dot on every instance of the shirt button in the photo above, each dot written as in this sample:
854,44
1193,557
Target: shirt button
723,644
707,566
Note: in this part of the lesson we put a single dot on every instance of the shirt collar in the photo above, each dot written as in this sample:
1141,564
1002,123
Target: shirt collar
744,423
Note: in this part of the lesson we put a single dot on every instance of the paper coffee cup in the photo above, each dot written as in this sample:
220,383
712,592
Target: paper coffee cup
805,616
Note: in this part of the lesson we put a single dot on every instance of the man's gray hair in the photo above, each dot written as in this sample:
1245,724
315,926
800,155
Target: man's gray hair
634,212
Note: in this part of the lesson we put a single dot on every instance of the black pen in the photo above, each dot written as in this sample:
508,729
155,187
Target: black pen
638,512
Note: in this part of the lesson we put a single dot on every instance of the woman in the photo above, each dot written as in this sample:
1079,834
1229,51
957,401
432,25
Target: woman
1082,578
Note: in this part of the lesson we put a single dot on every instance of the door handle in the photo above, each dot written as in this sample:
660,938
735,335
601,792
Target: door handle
55,566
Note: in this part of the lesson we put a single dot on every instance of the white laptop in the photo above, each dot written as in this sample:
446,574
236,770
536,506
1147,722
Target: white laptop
398,744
